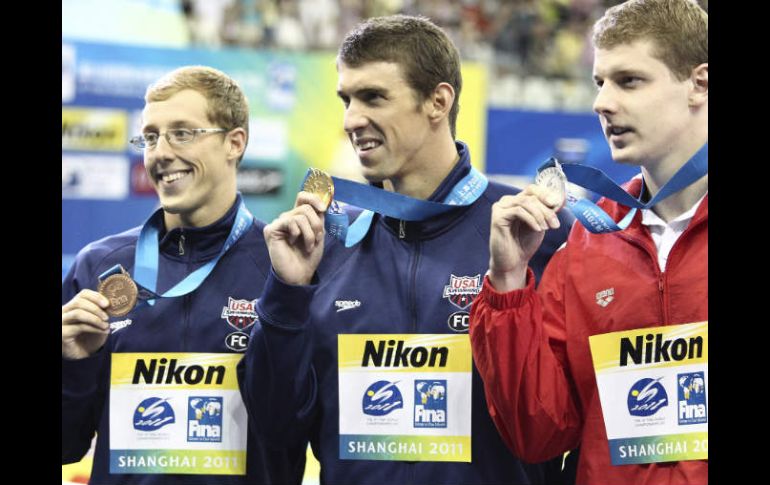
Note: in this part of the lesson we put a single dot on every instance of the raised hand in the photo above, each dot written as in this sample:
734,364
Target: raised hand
84,327
518,227
295,240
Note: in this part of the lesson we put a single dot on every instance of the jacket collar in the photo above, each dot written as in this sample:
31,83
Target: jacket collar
424,229
199,243
634,187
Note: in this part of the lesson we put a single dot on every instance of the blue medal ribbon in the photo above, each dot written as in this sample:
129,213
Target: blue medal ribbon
594,218
147,252
392,204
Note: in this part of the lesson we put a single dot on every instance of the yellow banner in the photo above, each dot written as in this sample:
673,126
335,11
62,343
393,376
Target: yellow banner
405,352
649,348
94,129
175,370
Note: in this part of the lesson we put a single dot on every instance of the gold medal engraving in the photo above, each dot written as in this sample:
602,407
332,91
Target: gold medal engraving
320,184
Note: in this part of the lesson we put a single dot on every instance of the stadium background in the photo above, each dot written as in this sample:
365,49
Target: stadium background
527,95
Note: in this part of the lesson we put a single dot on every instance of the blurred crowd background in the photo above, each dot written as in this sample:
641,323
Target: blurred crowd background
538,51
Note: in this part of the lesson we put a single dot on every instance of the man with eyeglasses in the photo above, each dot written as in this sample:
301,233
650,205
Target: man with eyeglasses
155,319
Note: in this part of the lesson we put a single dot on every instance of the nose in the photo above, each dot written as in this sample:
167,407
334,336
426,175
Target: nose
161,151
160,154
605,102
355,118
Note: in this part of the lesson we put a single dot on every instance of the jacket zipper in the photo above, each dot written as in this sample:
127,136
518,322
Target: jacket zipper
413,285
662,293
411,470
185,298
662,275
658,273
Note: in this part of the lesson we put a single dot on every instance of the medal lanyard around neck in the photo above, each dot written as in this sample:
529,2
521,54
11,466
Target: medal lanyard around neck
147,252
595,219
392,204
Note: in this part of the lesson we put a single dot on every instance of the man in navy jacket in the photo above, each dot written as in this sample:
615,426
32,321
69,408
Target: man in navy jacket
156,382
364,351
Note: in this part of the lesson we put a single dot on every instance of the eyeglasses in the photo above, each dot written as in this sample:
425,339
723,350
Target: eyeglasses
175,136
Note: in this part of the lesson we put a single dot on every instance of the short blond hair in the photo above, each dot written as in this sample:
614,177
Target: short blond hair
678,28
227,106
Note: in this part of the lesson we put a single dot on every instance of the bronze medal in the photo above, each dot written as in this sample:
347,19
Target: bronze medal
122,292
320,184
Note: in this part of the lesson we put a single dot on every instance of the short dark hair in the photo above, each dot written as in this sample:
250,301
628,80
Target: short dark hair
678,28
424,51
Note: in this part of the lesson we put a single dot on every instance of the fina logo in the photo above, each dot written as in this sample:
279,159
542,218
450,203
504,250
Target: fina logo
152,414
204,419
691,391
430,404
381,398
646,397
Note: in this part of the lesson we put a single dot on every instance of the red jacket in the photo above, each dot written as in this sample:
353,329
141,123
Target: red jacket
531,347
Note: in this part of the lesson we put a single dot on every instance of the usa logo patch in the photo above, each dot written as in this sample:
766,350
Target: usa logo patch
462,290
240,314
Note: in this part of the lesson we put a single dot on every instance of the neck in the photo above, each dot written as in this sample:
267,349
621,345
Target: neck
427,175
657,175
202,217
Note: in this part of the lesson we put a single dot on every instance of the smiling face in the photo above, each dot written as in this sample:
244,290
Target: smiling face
386,122
645,112
195,181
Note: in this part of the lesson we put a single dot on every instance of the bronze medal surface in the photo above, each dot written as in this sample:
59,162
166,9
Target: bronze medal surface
122,292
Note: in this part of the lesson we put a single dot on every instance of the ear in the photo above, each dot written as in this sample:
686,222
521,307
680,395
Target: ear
440,102
699,92
236,140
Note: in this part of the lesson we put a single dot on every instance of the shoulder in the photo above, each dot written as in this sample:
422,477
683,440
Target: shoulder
96,257
253,247
495,190
103,249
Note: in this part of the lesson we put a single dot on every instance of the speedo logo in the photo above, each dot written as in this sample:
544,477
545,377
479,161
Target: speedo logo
164,371
394,353
343,305
651,348
115,326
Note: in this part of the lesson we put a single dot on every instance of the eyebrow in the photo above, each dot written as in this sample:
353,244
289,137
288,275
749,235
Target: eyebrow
172,125
359,92
621,73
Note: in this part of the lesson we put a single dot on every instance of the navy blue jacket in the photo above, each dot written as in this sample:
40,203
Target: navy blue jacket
289,377
189,323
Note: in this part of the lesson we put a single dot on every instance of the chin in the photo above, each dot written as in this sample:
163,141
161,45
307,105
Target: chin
625,157
372,176
172,206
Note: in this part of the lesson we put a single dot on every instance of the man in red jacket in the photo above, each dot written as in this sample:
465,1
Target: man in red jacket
639,293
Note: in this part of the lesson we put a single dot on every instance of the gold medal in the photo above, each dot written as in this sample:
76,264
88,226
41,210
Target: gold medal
319,183
122,292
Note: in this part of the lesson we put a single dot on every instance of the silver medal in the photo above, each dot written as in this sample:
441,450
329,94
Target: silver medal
554,179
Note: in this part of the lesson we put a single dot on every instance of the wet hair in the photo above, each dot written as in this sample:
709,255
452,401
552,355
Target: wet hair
424,52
